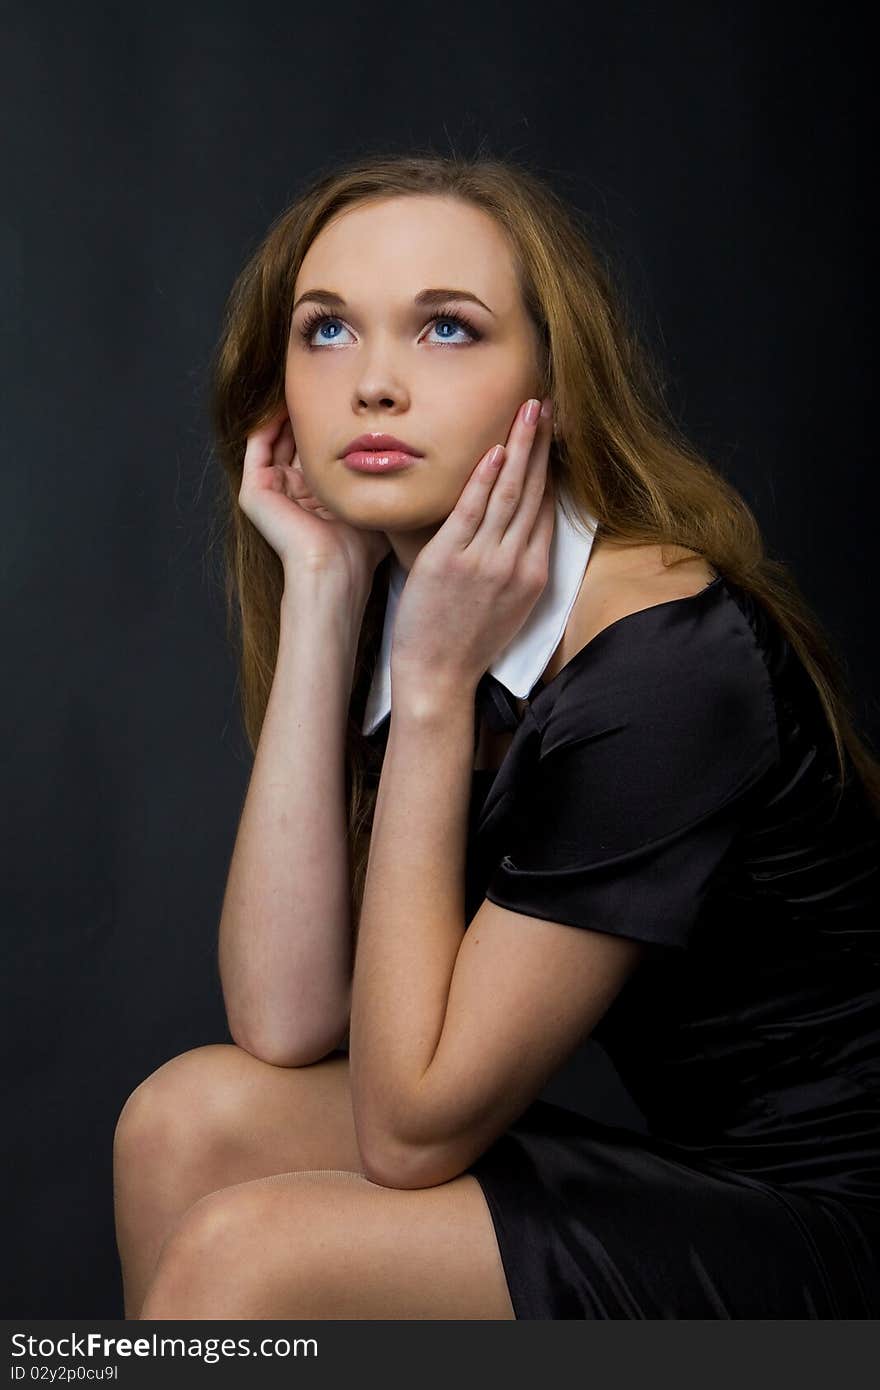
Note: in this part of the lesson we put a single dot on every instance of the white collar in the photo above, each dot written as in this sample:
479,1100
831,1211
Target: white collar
525,657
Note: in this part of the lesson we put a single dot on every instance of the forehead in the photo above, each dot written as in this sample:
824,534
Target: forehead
394,247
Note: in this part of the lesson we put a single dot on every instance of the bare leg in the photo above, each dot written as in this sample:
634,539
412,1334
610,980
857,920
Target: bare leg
323,1245
212,1117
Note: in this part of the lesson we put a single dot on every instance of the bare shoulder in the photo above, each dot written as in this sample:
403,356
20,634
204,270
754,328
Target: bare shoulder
623,579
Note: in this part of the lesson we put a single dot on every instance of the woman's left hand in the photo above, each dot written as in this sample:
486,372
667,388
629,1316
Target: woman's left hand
472,586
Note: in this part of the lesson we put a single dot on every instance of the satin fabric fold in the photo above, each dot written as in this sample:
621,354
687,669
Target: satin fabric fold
675,782
750,1035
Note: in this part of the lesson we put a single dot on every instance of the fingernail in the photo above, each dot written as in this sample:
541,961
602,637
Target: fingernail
531,412
547,408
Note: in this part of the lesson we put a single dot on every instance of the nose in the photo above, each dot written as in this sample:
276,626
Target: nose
380,401
379,385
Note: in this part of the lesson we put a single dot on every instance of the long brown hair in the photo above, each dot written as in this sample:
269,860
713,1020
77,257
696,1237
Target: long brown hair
618,452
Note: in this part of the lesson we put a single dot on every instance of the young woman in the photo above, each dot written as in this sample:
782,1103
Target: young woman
619,795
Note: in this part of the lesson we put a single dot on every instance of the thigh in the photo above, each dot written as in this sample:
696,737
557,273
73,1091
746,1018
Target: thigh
220,1107
325,1245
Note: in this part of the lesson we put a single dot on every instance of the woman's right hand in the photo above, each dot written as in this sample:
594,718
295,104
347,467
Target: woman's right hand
303,533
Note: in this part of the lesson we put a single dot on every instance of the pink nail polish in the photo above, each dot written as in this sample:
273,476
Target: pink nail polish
532,411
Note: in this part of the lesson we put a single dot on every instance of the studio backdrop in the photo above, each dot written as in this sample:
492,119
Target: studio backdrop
719,153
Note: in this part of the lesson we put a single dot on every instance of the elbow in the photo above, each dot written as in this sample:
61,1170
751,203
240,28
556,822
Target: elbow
301,1051
418,1156
408,1166
400,1171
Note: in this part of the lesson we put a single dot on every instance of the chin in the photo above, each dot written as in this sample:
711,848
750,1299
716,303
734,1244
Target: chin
384,515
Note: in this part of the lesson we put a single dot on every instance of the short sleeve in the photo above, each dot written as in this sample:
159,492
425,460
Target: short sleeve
643,777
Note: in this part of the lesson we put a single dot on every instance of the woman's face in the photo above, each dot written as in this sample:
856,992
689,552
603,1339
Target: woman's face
379,361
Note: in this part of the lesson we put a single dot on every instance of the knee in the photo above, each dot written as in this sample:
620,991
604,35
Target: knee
214,1253
179,1108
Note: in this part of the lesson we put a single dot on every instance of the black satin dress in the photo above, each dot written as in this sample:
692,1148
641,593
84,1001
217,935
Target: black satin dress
674,783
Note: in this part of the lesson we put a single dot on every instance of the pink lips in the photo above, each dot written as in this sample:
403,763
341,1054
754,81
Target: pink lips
372,461
382,442
379,453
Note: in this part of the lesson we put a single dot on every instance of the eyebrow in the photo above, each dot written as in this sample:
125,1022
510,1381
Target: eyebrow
423,298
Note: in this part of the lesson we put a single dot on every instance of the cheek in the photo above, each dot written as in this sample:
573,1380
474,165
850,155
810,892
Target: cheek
500,401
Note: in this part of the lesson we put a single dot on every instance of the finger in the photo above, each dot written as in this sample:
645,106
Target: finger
460,526
307,501
296,487
506,494
513,506
311,504
296,483
284,448
534,489
259,447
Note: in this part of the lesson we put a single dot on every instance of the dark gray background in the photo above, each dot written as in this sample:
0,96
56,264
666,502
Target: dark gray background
721,152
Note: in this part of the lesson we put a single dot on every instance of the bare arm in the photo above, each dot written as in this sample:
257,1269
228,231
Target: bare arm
411,926
285,949
455,1029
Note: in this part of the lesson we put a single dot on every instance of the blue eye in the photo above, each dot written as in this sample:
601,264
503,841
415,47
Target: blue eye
320,321
319,318
454,319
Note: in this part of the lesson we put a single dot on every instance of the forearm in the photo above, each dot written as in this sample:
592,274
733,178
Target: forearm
285,928
412,920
